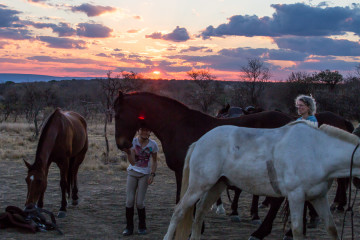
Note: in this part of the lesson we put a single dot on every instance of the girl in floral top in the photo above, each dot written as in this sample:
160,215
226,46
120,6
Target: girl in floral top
141,172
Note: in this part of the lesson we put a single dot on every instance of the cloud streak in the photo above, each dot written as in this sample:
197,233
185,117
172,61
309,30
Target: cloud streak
178,35
92,10
66,43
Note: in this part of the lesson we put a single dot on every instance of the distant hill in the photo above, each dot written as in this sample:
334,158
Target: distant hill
14,77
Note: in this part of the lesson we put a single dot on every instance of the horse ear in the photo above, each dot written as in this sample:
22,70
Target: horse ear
27,164
227,107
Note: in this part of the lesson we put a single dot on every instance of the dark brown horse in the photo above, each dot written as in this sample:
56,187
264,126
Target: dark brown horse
176,125
63,140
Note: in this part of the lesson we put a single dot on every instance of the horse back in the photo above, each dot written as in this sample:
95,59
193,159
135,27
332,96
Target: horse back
74,131
334,120
266,119
65,133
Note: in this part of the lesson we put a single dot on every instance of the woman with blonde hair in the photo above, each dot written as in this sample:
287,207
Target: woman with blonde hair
306,108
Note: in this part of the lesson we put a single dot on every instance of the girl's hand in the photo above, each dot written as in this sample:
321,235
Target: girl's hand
151,179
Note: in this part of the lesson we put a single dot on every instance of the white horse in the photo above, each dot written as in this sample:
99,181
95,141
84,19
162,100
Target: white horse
297,161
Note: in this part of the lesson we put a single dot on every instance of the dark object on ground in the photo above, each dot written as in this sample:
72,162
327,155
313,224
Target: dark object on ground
31,219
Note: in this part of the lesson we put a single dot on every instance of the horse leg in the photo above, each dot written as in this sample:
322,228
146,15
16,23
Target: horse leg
266,225
254,211
296,205
186,203
40,202
178,176
64,168
203,205
288,234
321,205
77,161
340,196
234,216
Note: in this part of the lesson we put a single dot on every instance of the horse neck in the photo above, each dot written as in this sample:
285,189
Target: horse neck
340,166
46,145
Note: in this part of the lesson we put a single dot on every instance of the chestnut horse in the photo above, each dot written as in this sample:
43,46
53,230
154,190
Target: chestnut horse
63,140
178,126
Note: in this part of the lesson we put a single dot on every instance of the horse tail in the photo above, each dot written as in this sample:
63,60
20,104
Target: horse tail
184,226
70,178
285,213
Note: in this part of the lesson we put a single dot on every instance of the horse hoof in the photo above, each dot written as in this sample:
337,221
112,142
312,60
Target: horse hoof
61,214
235,218
287,238
75,202
256,222
253,238
220,210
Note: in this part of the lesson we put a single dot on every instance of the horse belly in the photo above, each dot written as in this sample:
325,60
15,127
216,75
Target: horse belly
254,180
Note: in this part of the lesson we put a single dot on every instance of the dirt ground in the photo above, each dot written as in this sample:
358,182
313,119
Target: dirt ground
101,211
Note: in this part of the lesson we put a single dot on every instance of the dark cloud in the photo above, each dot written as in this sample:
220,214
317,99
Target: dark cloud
54,42
101,55
12,60
62,60
178,35
7,16
320,46
155,35
92,10
292,19
15,34
194,49
37,1
93,30
264,53
324,64
62,29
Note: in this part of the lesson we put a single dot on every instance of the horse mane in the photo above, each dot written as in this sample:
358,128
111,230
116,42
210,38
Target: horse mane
331,131
44,130
162,98
339,133
168,100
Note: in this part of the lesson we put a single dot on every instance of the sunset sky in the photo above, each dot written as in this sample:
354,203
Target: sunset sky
167,38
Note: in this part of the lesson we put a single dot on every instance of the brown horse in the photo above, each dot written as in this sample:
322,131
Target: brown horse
63,140
176,125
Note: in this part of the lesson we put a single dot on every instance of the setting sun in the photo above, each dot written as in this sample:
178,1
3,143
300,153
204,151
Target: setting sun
156,72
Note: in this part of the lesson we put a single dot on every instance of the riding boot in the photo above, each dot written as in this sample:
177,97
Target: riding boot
129,230
142,223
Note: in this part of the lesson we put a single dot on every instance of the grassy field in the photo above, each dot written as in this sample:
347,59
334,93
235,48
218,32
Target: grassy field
17,142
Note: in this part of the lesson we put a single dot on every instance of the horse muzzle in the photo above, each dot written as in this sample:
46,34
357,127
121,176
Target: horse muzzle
122,143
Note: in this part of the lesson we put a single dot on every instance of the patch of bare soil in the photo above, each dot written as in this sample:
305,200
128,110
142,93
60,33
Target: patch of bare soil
101,211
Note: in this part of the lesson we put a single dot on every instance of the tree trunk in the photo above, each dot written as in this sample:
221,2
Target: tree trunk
106,139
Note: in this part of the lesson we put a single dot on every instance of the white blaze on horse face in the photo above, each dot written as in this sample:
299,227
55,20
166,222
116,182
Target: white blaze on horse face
32,178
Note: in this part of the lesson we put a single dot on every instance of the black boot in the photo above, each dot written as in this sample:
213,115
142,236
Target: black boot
129,230
142,223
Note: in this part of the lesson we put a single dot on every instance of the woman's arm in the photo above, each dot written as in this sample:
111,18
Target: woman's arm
153,167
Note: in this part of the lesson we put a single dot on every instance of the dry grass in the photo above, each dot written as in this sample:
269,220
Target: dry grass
17,142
